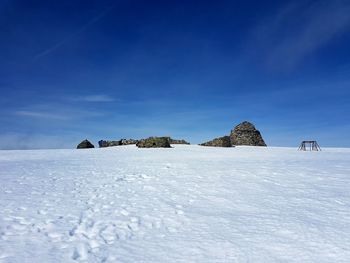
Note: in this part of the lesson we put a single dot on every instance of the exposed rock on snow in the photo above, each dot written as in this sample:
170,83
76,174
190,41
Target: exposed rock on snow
243,134
246,134
103,143
159,142
128,141
219,142
175,141
85,144
154,142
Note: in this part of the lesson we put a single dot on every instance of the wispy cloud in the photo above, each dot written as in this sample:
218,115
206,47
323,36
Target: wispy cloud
24,141
74,34
42,115
298,30
94,98
58,112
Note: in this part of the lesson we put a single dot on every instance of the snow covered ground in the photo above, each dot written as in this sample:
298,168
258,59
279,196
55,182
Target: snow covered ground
185,204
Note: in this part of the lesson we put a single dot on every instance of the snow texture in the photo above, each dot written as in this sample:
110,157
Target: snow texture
184,204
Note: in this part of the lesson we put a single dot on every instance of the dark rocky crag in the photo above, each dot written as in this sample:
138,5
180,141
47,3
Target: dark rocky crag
219,142
154,142
103,143
176,141
245,133
85,145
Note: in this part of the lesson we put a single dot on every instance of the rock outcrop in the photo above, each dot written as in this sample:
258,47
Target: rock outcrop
245,133
154,142
85,145
219,142
103,143
128,141
175,141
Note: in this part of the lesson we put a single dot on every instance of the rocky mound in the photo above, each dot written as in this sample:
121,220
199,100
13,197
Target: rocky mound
85,145
175,141
246,134
128,141
103,143
154,142
219,142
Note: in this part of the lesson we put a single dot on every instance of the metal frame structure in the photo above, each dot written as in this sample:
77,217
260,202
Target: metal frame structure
309,145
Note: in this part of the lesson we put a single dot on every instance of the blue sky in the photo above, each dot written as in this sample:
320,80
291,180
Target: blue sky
71,70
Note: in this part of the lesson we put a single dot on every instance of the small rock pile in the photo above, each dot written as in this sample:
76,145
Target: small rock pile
219,142
103,143
154,142
175,141
128,141
144,143
85,145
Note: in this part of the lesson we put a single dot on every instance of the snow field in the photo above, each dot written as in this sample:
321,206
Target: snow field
185,204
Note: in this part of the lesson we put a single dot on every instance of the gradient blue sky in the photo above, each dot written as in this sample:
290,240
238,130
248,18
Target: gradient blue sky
71,70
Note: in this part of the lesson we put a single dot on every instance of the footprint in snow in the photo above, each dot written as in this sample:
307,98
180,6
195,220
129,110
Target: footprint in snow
80,252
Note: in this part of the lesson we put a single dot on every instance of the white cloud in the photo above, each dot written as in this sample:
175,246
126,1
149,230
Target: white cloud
298,30
38,114
14,141
94,98
58,112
